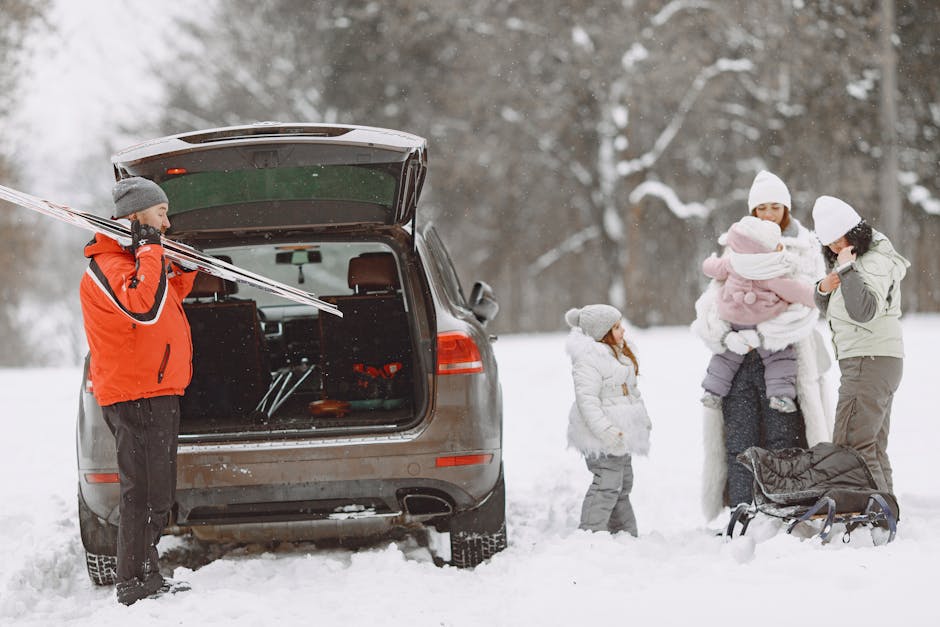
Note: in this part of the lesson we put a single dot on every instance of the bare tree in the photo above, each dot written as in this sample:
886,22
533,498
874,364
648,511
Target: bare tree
20,235
888,116
584,150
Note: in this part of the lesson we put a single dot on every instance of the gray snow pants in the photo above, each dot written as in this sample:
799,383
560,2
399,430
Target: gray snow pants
607,505
780,370
146,433
749,421
863,413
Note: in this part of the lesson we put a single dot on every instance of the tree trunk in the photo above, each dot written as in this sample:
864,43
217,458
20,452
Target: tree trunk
889,191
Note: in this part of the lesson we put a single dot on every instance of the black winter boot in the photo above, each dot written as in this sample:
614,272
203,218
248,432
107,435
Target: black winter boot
131,591
160,585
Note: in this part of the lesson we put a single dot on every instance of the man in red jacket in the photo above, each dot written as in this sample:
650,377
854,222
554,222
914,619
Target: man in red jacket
141,363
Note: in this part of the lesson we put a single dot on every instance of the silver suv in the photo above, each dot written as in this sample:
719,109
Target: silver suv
298,424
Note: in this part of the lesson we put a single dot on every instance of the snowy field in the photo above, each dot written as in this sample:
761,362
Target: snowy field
676,573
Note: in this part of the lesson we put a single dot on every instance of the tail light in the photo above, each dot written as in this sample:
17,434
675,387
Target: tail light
457,353
463,460
102,477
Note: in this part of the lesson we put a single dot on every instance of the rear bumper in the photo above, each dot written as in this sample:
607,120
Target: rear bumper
252,496
245,490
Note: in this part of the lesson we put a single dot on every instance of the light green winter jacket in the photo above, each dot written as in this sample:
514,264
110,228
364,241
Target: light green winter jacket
880,271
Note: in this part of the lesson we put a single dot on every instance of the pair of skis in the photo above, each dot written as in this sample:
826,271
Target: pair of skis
176,251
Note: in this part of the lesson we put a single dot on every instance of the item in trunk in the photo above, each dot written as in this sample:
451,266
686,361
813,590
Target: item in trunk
328,407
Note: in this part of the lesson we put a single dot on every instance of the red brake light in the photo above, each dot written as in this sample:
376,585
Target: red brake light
457,353
176,171
102,477
463,460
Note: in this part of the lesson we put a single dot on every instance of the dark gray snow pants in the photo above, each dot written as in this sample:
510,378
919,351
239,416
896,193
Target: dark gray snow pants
749,421
863,414
146,433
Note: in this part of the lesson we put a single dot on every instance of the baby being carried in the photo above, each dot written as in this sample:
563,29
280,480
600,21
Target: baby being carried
757,287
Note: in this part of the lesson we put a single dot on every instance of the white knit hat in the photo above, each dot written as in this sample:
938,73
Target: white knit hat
767,188
764,232
594,320
833,218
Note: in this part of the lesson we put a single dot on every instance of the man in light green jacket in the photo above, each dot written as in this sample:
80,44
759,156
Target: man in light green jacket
861,299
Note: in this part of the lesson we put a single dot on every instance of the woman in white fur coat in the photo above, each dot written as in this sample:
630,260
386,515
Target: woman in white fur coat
608,421
752,422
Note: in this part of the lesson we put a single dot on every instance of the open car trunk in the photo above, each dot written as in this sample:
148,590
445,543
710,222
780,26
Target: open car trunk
263,367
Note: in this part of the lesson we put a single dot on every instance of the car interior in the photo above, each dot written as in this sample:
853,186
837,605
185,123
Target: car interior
262,365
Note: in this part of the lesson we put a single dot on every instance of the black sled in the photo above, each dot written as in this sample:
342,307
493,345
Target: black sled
820,487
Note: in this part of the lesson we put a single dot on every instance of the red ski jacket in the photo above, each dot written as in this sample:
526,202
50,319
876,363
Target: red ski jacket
137,331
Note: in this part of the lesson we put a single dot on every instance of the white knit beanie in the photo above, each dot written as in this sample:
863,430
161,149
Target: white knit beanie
767,188
764,232
594,320
833,218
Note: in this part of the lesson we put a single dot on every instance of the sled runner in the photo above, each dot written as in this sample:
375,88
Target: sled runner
823,486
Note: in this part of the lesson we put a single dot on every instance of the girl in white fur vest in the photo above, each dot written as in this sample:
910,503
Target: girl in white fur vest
608,421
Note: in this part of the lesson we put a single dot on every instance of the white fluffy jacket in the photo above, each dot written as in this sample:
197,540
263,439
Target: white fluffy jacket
797,325
603,419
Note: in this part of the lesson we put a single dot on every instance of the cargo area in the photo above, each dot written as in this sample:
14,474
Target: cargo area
264,367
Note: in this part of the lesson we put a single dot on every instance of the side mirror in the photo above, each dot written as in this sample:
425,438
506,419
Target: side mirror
482,302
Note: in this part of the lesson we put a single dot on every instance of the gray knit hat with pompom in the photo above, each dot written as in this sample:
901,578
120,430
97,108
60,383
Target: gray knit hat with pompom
594,320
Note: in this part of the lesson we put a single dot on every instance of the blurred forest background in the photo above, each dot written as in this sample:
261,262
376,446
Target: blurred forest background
580,151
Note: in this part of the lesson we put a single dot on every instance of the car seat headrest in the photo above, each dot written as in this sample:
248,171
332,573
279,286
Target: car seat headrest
209,286
372,272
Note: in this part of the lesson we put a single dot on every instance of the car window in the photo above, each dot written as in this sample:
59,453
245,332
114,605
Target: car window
289,264
200,190
445,266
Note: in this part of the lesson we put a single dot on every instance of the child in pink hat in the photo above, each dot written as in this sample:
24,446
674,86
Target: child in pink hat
756,288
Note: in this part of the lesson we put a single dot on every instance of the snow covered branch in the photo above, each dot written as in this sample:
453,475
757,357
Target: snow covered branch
647,160
671,9
572,244
668,195
918,194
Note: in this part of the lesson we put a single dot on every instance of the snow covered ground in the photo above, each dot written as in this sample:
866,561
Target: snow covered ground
676,573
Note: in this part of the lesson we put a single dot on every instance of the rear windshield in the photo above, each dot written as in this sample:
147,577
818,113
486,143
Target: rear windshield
373,185
318,267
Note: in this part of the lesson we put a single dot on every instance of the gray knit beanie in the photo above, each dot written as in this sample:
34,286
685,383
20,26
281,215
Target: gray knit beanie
594,320
136,194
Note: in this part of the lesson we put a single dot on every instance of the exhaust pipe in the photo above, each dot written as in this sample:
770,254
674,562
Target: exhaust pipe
426,505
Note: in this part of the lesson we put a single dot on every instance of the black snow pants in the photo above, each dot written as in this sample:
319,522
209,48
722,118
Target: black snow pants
749,421
146,433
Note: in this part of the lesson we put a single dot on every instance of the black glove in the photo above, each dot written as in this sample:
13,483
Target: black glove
143,234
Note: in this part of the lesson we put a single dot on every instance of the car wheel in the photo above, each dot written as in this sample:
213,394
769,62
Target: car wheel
102,569
100,541
479,534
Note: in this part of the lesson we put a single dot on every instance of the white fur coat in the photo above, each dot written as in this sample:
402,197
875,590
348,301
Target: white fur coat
797,325
604,420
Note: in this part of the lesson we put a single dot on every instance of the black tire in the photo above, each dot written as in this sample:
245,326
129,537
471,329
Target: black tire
479,534
99,539
102,569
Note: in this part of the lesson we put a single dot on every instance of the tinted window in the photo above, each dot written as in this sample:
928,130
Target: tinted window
445,267
200,190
